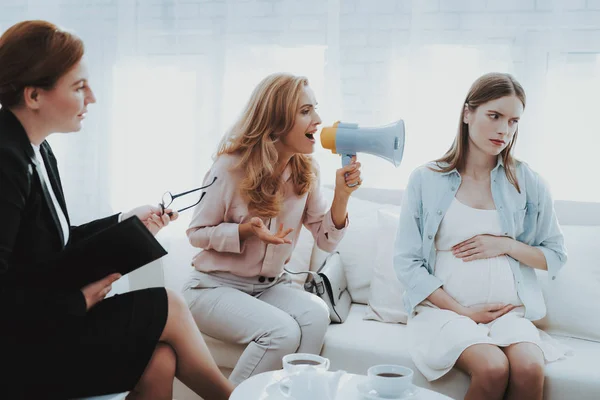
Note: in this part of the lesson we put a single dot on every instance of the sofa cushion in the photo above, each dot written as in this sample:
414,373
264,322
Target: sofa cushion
576,377
357,344
358,247
583,248
572,304
575,294
385,297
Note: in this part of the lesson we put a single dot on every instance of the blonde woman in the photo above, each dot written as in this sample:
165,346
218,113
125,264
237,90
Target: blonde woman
474,226
267,187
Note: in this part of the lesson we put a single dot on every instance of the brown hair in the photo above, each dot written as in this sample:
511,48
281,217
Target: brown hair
486,88
36,54
270,113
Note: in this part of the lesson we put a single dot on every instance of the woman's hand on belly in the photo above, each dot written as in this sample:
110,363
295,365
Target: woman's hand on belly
486,313
480,313
482,246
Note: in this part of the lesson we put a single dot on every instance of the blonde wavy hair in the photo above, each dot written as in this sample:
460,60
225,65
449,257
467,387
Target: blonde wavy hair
486,88
269,114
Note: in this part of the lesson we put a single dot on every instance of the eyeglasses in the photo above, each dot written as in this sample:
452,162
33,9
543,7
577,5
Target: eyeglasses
168,197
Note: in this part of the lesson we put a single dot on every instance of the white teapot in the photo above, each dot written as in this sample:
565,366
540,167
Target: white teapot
311,384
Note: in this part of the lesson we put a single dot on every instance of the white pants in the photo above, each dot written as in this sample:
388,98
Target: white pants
272,318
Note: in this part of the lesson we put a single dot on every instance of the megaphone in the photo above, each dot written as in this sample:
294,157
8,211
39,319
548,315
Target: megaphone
347,139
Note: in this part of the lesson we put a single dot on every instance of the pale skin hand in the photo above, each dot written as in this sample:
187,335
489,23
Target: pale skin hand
489,246
95,292
348,175
482,246
152,217
486,313
480,313
256,227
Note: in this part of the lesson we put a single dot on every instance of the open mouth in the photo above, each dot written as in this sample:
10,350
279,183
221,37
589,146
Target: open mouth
311,136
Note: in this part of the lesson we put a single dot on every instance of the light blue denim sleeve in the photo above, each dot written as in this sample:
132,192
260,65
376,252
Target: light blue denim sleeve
409,262
548,236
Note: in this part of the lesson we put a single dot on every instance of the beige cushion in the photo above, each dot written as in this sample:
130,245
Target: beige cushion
358,247
385,298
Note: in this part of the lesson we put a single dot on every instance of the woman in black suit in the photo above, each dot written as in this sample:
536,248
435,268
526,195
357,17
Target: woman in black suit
59,343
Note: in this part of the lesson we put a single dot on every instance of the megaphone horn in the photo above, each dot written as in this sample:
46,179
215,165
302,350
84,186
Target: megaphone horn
347,139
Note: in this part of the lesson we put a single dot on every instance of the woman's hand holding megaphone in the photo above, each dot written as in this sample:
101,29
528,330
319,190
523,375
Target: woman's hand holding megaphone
348,179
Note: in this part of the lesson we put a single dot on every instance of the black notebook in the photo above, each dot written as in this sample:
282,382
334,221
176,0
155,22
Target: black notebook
121,248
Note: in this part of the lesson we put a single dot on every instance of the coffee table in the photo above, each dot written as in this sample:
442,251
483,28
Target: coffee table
254,388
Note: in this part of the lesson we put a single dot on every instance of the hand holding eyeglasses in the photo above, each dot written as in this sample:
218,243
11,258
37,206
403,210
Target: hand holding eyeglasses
153,217
156,218
256,227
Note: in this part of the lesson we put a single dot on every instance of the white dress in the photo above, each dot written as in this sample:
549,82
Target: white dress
438,337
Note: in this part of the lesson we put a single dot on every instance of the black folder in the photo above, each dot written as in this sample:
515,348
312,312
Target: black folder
120,248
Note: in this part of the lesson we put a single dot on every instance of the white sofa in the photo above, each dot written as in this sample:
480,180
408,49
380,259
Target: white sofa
573,300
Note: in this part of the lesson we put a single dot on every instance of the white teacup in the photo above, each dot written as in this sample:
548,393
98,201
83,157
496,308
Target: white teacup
390,380
311,384
293,363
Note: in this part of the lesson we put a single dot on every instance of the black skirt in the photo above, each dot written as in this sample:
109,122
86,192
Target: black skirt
104,352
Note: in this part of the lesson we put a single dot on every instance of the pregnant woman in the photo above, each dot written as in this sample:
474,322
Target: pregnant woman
473,227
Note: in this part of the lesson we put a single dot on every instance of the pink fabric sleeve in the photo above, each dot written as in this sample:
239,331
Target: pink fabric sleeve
208,229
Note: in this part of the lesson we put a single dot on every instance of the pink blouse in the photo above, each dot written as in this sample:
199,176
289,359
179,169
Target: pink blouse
215,225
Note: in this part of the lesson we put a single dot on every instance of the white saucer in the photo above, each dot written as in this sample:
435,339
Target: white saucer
368,393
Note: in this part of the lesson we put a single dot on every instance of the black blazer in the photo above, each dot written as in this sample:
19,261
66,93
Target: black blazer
30,231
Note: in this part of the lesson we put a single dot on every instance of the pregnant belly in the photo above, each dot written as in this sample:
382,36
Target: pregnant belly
476,282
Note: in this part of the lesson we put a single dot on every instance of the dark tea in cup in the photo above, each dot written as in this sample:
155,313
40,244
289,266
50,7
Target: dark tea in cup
390,375
390,380
304,362
301,361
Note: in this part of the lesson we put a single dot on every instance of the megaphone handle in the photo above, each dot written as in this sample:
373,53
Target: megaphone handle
347,159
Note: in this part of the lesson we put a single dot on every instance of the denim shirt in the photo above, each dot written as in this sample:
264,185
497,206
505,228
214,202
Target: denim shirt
528,217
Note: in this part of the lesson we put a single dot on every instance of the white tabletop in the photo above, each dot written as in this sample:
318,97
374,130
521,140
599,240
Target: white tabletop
116,396
254,388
